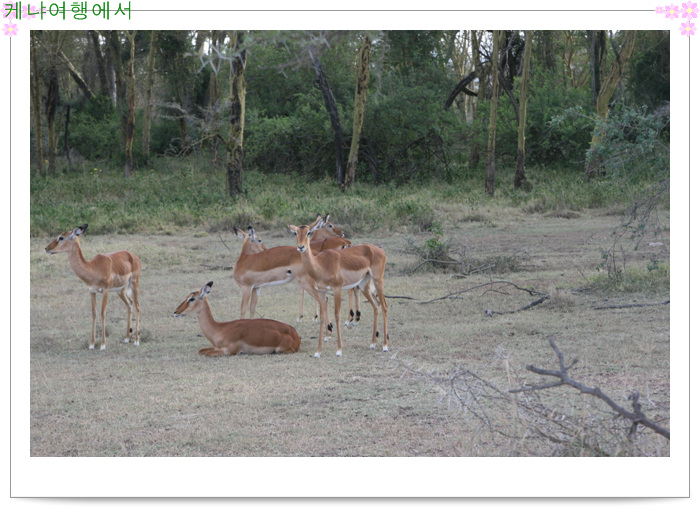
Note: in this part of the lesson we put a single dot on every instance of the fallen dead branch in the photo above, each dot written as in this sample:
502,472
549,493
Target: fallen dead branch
522,424
218,267
532,292
632,305
637,417
490,313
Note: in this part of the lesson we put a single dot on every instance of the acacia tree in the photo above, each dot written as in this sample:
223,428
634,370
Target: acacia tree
607,88
520,177
332,110
36,102
148,107
495,90
237,92
362,69
131,113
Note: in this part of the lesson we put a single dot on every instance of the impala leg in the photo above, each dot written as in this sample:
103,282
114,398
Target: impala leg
301,307
123,295
356,291
245,298
103,313
93,301
379,285
254,294
327,326
338,300
324,311
205,350
351,313
137,306
373,302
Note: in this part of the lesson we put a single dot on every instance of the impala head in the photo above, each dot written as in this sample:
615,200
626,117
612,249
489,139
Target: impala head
194,301
329,228
304,233
251,241
65,241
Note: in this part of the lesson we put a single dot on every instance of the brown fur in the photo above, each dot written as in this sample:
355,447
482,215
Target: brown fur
251,336
103,274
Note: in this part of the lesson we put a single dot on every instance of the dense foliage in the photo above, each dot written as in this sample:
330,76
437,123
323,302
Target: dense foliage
408,134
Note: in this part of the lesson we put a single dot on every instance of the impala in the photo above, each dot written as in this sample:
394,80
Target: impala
251,336
118,272
333,271
258,267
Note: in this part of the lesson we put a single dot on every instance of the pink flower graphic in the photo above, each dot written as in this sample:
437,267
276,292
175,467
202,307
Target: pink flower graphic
690,10
26,10
660,10
10,29
672,11
687,28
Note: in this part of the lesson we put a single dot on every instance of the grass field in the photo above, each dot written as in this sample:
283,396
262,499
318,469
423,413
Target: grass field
162,399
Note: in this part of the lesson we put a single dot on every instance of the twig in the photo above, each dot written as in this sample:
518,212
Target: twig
434,261
222,241
532,292
490,313
218,267
632,305
637,417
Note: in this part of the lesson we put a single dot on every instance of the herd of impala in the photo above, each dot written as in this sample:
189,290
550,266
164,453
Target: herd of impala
323,262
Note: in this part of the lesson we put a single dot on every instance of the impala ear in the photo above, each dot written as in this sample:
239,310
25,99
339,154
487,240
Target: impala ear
327,218
239,233
206,289
78,231
292,229
251,232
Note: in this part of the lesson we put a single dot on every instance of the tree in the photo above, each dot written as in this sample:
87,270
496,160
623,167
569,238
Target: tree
520,177
495,90
360,102
36,102
237,92
332,109
131,112
101,63
607,88
148,107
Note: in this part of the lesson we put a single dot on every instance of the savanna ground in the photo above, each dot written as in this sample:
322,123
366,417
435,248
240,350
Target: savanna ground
162,399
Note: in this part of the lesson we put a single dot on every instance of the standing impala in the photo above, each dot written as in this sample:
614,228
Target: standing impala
251,336
333,271
118,272
258,267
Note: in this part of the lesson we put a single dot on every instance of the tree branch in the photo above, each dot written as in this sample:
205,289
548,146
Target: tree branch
637,417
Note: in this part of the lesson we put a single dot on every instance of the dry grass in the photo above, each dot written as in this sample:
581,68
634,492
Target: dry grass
162,399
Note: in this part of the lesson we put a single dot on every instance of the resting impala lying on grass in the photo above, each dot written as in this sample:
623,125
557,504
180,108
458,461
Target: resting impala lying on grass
118,272
250,336
332,271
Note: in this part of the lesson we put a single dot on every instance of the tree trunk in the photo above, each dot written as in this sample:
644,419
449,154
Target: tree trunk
131,114
101,64
475,155
332,110
76,76
237,92
360,103
51,105
148,107
597,41
520,177
116,52
607,88
36,104
495,90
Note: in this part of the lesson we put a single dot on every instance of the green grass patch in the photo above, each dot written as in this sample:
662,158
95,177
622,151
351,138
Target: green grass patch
174,194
